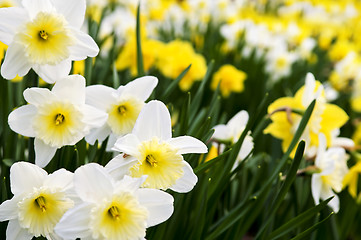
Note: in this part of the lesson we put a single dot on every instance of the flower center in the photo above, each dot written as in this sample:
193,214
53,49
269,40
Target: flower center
59,119
123,114
40,202
46,39
42,209
151,160
160,162
121,217
43,35
113,212
122,110
58,124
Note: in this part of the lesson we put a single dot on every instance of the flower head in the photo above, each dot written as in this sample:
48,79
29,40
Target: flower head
231,132
332,164
55,118
112,209
44,35
231,80
39,201
157,154
123,106
286,114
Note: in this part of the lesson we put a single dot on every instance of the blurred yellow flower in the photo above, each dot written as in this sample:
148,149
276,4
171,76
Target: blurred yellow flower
230,79
351,179
175,57
128,56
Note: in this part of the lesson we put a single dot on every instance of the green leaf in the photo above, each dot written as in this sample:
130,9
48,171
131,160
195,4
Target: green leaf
170,89
291,175
8,162
298,221
304,234
140,65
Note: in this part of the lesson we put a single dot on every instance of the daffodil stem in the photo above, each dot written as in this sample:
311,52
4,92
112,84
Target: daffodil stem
34,79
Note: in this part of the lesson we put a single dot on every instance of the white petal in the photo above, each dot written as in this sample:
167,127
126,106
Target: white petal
127,144
322,144
9,209
222,132
93,117
10,20
73,11
187,181
188,144
119,166
158,203
85,46
93,183
52,73
61,179
129,184
343,142
20,120
99,134
43,153
71,88
334,203
316,185
15,232
15,62
35,6
100,96
238,121
141,87
75,222
308,94
111,141
37,96
246,148
24,176
153,121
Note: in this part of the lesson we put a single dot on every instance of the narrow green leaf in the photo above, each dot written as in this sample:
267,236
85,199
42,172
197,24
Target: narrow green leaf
204,166
199,94
291,175
116,81
304,234
298,220
140,65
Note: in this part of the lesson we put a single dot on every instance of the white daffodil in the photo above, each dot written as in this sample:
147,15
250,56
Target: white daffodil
123,106
39,201
158,155
332,164
231,133
44,35
55,118
112,209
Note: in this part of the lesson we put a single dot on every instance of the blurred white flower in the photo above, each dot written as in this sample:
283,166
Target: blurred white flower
158,155
112,209
232,131
279,62
39,201
123,106
44,35
332,164
55,118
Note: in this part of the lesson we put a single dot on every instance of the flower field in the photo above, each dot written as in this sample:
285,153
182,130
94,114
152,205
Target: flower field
180,119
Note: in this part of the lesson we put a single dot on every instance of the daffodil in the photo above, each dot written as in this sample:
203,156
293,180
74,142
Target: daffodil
39,201
158,155
123,106
55,118
286,114
44,35
231,132
230,79
112,209
332,165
